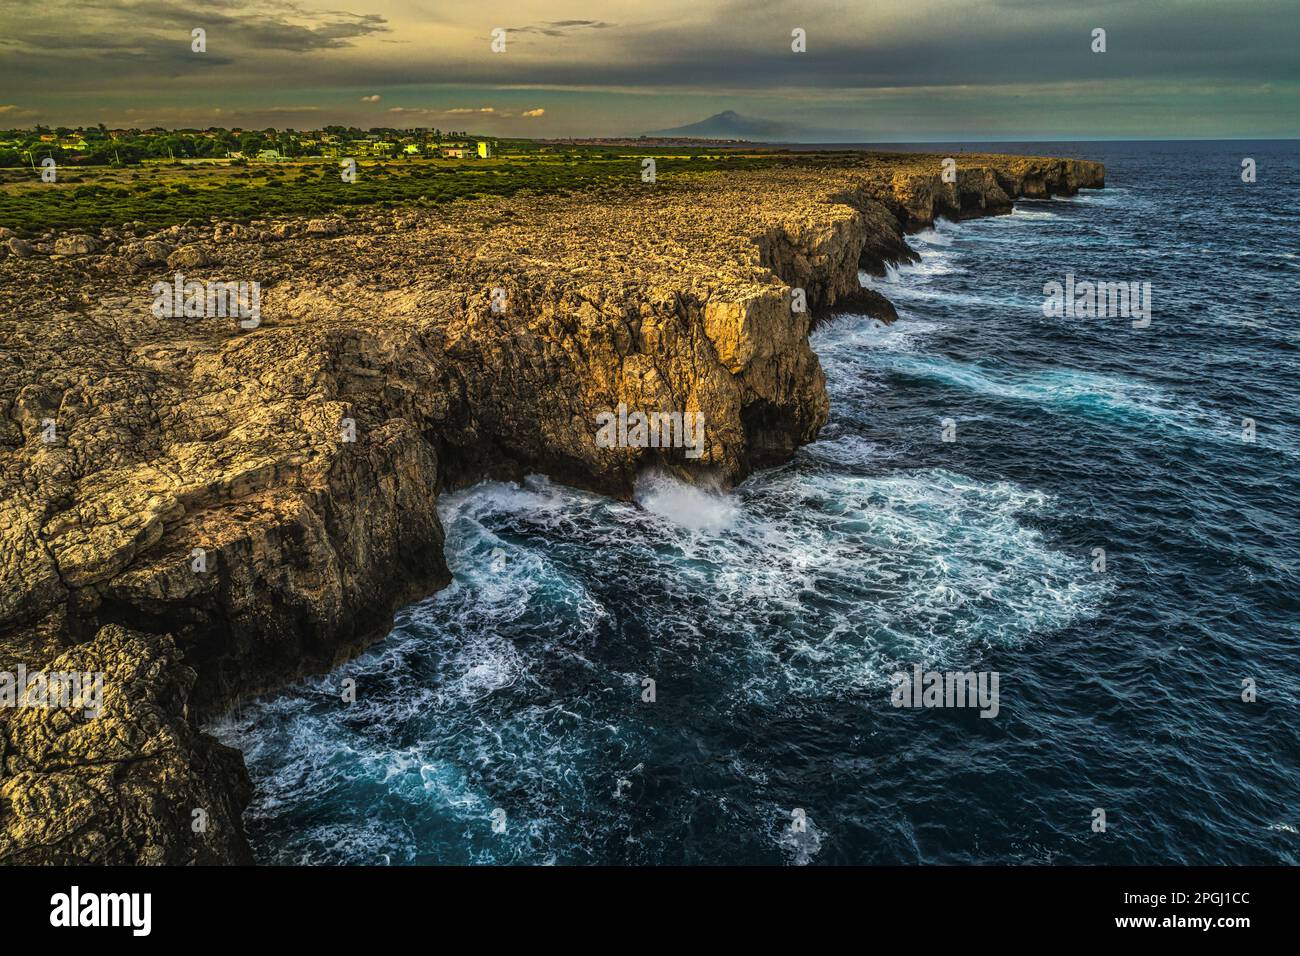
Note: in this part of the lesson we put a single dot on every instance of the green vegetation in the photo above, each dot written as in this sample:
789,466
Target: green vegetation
164,194
100,146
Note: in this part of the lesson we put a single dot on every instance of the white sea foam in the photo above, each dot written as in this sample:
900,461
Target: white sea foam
1048,386
920,295
938,235
1074,390
862,570
1021,214
932,263
844,450
687,505
848,334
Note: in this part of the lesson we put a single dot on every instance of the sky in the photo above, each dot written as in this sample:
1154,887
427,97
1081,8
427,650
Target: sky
872,71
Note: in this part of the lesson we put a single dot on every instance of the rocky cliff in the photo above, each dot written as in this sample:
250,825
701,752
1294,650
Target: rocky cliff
130,781
259,501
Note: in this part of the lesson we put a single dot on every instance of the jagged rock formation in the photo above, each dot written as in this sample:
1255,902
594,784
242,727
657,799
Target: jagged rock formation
267,496
130,782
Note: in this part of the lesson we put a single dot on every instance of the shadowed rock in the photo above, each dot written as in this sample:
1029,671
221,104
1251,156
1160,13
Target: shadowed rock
132,781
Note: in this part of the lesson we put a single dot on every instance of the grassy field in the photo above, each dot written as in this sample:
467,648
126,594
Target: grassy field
162,194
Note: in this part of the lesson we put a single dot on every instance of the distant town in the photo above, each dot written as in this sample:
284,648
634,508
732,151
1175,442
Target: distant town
101,146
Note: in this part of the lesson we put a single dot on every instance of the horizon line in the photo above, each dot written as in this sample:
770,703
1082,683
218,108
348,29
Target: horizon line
710,139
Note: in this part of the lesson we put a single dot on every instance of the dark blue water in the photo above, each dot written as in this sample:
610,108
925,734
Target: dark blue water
771,619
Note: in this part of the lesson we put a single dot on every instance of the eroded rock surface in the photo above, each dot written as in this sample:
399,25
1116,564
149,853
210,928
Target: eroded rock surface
130,781
266,494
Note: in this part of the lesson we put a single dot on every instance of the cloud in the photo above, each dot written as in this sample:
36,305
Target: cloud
487,113
454,111
644,67
77,43
559,28
373,98
289,109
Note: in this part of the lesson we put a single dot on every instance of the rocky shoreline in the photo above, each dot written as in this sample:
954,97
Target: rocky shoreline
204,512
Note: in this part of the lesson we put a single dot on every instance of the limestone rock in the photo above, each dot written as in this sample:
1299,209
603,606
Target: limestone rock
75,245
323,227
188,257
147,252
128,782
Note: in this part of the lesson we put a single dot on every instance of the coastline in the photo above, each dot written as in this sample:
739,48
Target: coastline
314,542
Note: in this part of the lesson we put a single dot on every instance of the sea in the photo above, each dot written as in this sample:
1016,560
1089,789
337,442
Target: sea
1103,514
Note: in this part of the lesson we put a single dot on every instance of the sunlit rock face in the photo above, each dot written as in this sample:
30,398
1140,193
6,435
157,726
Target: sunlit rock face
265,491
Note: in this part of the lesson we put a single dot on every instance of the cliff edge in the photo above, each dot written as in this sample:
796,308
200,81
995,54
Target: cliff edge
204,511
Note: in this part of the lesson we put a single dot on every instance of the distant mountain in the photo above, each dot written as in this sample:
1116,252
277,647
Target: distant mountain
730,125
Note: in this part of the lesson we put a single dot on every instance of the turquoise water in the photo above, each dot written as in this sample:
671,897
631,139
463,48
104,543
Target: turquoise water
771,618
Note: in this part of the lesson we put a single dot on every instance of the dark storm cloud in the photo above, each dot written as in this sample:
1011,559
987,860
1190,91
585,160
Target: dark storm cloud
256,23
63,43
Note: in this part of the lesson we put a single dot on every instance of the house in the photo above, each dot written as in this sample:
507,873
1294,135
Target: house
484,149
453,152
269,156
